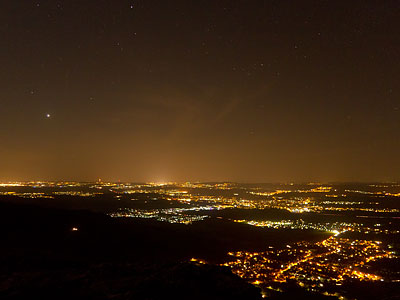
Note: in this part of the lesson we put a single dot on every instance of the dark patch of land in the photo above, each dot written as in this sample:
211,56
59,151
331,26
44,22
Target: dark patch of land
42,257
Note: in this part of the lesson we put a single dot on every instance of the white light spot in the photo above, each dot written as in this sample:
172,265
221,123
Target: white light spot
335,232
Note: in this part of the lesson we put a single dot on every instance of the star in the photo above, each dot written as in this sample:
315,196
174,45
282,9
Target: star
48,115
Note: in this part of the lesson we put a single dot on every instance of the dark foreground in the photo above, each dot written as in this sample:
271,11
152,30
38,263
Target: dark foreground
43,257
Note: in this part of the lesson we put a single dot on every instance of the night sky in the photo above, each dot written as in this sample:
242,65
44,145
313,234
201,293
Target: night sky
250,91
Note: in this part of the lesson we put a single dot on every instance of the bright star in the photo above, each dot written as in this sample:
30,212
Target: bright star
48,115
